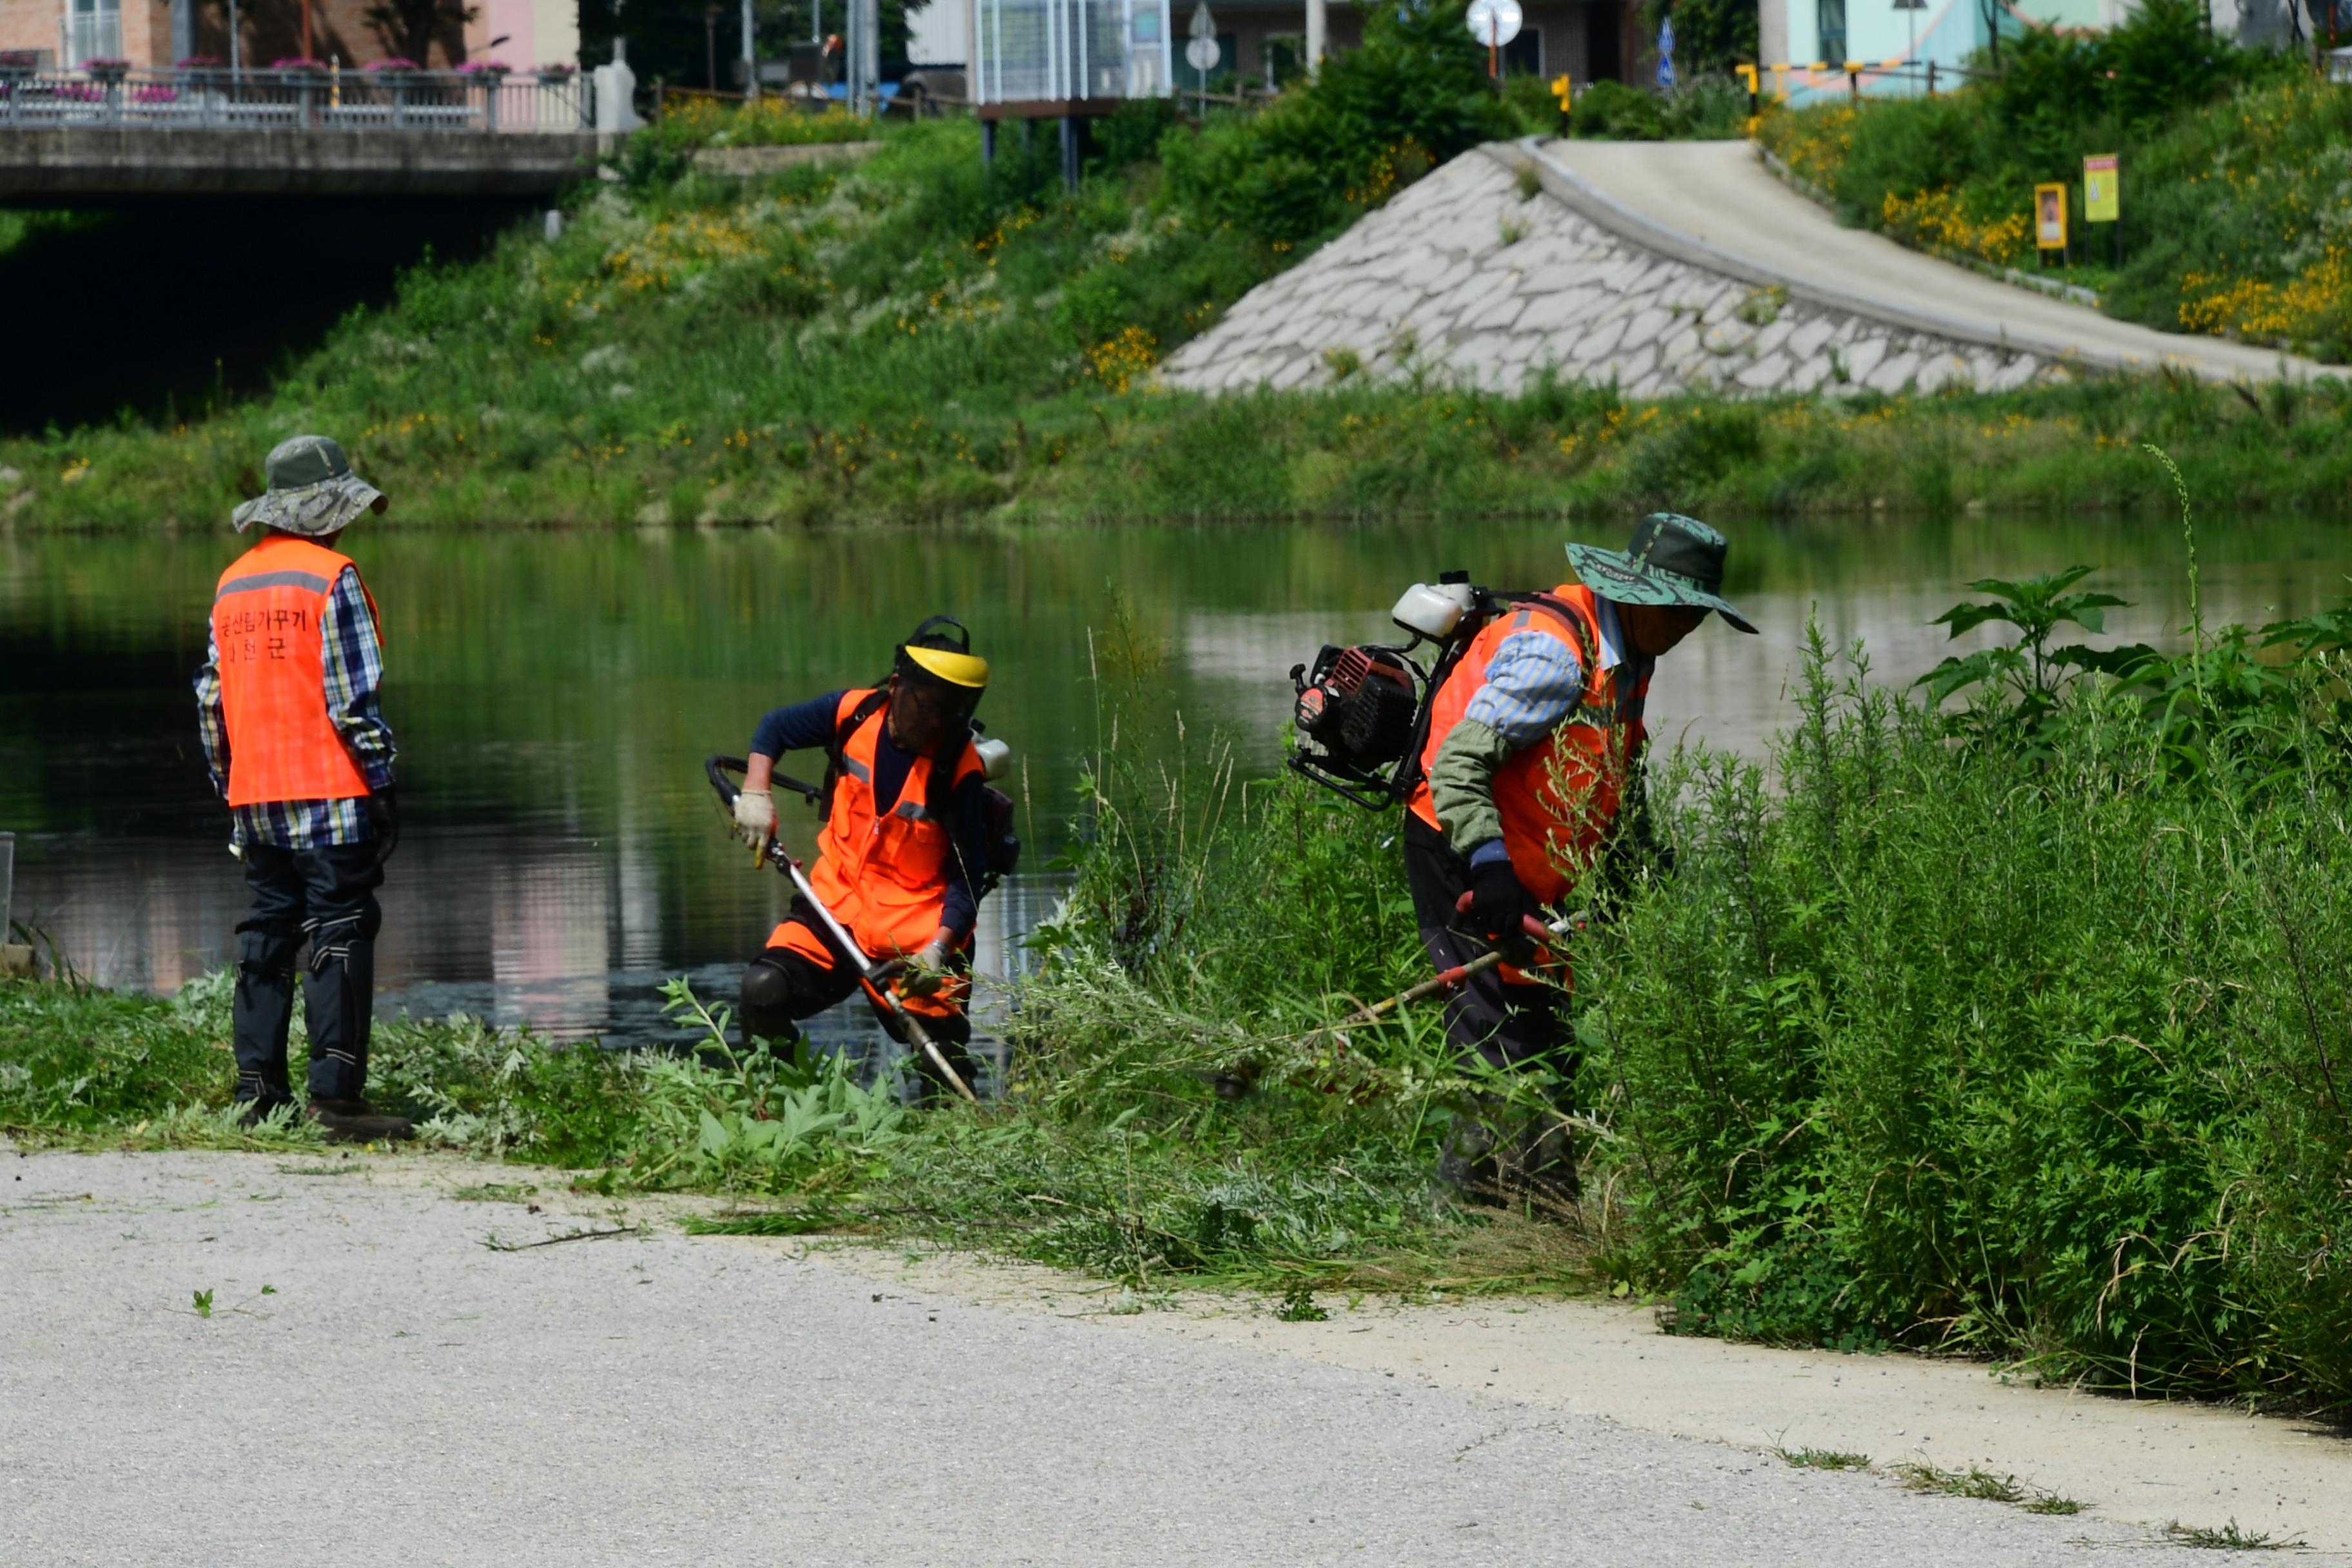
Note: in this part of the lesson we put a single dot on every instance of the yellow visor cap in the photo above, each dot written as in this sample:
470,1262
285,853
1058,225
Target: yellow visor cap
955,668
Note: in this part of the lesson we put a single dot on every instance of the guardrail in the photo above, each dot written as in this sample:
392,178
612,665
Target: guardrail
219,97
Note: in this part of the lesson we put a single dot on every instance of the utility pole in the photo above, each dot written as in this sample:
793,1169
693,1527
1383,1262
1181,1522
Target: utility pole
864,47
750,58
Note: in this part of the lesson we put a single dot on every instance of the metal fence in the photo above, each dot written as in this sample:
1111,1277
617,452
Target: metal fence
299,100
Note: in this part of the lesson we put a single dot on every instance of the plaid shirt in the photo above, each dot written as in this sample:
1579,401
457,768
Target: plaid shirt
351,669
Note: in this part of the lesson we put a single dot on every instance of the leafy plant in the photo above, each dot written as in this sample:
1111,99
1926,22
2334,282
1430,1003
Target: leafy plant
2030,669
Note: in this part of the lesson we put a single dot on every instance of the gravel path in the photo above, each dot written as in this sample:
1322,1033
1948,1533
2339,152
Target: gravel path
403,1390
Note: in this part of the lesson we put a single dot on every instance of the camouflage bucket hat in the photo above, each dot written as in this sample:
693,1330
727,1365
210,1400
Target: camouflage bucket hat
312,491
1673,560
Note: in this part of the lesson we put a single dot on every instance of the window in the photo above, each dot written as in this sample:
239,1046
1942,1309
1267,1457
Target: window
95,28
1832,28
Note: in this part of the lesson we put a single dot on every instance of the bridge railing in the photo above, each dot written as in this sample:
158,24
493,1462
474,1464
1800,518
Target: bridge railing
218,98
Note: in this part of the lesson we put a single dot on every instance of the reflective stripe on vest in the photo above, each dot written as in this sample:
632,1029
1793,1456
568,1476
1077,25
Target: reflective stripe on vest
1557,797
266,629
884,875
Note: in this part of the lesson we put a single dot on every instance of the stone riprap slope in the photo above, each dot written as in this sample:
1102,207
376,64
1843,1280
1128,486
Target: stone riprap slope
1467,276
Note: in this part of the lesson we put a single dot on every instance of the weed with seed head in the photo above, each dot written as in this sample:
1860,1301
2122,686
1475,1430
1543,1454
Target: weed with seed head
1971,1482
1821,1458
2228,1538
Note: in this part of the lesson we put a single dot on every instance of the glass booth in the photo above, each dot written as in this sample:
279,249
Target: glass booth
1070,51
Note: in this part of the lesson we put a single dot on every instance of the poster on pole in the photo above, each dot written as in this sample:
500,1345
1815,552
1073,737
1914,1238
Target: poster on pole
2050,217
2101,190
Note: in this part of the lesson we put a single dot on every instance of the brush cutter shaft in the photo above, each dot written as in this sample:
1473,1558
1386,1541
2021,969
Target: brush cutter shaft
1447,979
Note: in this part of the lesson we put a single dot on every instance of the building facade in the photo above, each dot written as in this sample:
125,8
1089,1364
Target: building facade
154,34
1814,41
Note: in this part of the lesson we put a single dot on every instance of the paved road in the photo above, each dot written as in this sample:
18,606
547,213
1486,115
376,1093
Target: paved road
405,1394
1717,197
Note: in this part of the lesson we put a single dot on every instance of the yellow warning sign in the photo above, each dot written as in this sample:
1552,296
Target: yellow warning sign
2050,217
2100,188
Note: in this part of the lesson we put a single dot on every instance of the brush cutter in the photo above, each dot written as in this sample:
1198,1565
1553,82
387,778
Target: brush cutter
875,976
1445,980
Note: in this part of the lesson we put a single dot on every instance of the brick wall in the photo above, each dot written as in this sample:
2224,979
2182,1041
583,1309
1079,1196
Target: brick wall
30,25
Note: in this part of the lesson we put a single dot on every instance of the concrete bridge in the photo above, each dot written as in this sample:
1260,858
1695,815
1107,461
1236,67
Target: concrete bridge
77,165
118,136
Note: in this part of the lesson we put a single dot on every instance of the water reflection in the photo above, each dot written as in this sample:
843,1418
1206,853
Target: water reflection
555,693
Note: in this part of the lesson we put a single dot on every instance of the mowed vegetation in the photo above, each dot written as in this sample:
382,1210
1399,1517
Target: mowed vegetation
2235,211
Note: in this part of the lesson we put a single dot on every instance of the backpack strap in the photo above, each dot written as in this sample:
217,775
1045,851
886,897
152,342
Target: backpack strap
867,707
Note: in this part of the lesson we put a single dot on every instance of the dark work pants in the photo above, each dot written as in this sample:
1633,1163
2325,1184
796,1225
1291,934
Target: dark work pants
781,986
1508,1026
325,897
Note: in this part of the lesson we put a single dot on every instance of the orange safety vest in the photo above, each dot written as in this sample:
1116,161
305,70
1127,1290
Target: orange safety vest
883,875
265,619
1558,796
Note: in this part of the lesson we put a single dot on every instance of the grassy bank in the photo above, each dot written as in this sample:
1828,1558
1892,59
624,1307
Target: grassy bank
2233,209
916,341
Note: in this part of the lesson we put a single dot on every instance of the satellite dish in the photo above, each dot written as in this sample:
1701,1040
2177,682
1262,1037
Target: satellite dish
1494,23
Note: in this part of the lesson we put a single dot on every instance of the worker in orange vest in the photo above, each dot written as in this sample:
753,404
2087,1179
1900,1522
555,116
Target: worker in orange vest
293,734
1534,744
902,857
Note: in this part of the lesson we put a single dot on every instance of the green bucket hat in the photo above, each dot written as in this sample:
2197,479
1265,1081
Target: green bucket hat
1673,560
312,491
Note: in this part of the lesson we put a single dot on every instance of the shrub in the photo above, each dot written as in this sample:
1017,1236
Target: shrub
1372,119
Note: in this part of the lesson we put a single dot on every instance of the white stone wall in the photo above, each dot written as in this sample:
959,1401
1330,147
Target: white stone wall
1461,277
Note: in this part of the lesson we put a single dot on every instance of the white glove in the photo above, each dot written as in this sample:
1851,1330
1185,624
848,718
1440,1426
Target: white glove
926,969
755,817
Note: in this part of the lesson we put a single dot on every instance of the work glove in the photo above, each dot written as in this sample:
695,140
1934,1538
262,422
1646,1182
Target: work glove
926,970
1499,909
383,821
755,817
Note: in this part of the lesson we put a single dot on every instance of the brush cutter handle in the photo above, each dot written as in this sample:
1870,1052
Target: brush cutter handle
715,768
1536,931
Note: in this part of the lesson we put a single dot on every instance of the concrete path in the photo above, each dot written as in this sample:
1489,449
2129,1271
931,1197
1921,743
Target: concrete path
400,1390
1715,201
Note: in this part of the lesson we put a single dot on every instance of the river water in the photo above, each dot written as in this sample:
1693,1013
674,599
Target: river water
554,694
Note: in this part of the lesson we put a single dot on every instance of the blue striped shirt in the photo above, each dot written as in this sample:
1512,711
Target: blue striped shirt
352,671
